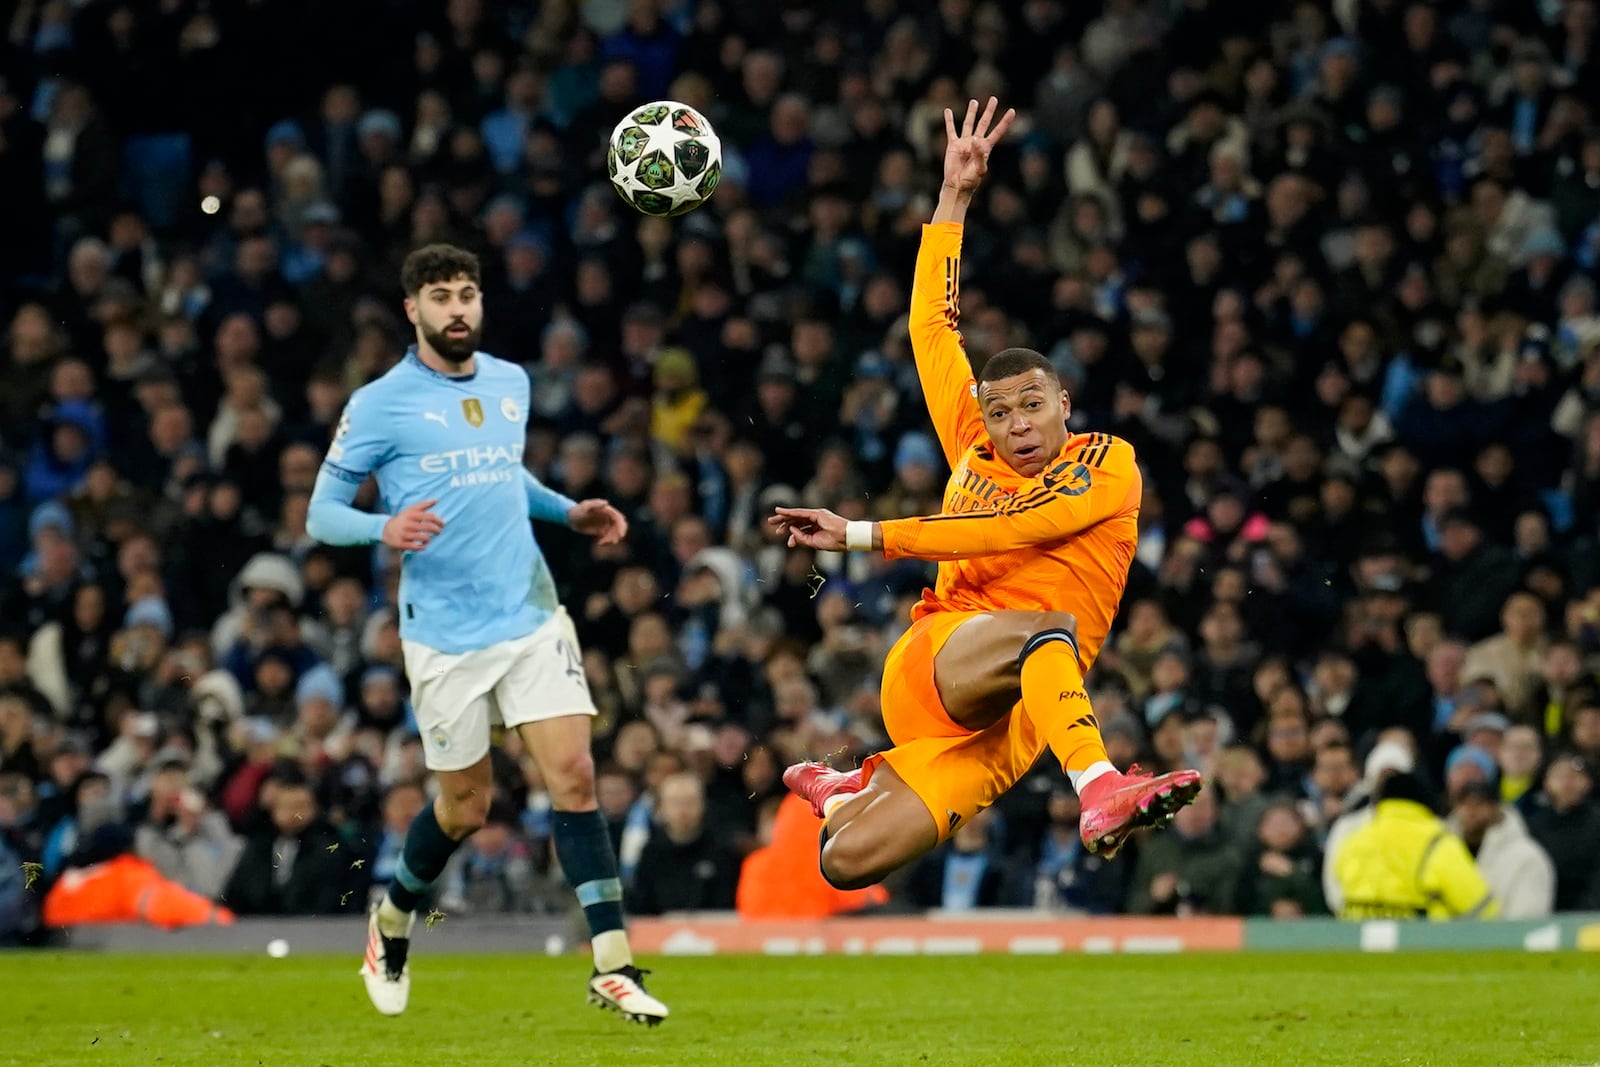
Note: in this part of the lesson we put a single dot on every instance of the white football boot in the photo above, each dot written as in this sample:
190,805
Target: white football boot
622,991
384,969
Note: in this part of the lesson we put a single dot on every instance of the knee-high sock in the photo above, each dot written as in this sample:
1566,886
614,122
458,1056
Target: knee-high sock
1055,702
584,848
422,860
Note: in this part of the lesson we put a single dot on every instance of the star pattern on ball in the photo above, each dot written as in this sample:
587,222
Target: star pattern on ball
653,180
659,138
681,192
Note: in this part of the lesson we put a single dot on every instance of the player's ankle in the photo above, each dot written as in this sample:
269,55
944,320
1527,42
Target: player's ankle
1083,778
611,951
392,921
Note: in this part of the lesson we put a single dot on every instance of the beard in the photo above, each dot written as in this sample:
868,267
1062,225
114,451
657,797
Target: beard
453,349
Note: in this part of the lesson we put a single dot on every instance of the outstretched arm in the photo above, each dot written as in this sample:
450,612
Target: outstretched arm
942,365
1049,513
1068,500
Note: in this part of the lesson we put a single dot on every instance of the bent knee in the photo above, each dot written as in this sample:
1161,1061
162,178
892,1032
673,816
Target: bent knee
1056,620
1045,627
464,814
847,865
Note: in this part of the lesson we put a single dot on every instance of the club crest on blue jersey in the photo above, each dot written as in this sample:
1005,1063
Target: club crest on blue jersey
510,409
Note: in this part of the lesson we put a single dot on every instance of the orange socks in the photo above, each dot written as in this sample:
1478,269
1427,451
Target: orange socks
1055,702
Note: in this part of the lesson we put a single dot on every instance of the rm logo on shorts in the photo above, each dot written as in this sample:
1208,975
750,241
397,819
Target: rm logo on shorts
473,410
437,737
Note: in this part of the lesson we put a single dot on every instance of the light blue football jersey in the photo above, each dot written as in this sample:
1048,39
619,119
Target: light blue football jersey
457,440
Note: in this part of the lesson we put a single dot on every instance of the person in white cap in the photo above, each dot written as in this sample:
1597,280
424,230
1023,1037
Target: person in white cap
1389,756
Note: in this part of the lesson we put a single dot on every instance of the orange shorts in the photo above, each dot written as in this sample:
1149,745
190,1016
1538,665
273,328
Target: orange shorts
955,771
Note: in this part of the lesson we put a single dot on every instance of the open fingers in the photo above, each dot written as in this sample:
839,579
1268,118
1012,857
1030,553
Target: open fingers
950,124
972,115
987,117
999,131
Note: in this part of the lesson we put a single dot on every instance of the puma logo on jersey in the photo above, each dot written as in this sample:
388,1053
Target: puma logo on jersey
436,416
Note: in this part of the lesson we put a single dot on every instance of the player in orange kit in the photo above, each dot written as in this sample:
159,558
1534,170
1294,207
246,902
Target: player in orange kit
1034,543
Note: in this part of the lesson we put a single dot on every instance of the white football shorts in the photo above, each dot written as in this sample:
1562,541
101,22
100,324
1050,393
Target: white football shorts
457,697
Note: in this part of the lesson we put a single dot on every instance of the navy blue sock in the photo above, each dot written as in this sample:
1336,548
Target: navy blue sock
584,848
427,849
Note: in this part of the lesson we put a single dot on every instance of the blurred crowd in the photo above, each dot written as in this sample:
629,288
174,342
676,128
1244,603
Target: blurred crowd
1330,266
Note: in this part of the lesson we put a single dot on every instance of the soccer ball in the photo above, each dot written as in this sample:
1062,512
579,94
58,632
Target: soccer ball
664,158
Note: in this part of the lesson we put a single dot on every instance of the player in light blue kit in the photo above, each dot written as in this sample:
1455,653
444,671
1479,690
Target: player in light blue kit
483,633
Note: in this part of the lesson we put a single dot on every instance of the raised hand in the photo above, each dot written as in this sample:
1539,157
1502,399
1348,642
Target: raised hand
413,527
599,520
966,155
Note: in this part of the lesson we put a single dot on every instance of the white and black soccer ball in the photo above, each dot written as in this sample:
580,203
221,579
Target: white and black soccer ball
664,158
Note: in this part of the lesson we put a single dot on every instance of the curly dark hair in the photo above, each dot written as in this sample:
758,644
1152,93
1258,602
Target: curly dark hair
431,264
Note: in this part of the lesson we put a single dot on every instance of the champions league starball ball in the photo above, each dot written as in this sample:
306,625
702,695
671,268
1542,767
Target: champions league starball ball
664,158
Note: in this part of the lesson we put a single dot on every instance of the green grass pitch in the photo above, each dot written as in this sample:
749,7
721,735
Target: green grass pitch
1336,1010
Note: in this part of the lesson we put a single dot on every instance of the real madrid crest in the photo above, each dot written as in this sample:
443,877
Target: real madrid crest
473,410
509,408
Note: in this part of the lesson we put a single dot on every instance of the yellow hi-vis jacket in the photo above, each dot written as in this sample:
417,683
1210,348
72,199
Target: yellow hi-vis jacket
1406,864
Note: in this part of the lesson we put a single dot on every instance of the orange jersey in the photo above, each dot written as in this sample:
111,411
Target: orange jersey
1060,541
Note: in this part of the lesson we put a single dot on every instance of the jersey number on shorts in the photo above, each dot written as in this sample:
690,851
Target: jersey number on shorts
574,666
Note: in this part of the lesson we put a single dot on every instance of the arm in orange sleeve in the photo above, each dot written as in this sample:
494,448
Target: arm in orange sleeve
1068,499
941,359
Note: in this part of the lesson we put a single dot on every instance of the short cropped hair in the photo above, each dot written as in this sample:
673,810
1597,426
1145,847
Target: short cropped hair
1010,362
432,264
